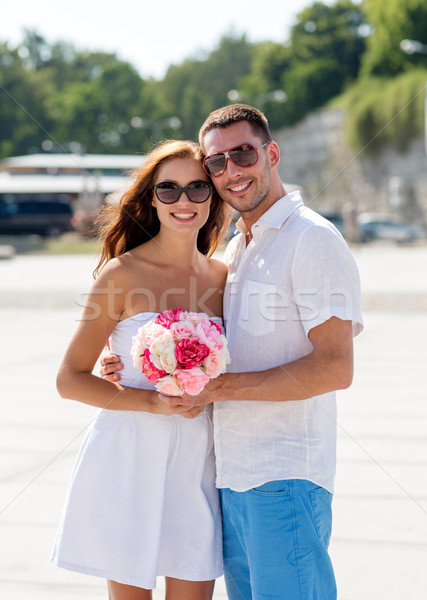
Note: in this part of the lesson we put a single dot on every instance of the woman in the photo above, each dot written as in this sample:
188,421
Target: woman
142,499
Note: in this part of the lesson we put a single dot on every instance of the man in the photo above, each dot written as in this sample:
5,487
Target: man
291,308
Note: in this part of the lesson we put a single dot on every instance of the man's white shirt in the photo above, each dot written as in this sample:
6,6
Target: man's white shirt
296,273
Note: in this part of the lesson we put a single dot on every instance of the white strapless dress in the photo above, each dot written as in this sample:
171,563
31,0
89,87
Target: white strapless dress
142,501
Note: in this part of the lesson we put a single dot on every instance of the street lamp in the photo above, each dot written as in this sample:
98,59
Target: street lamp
415,47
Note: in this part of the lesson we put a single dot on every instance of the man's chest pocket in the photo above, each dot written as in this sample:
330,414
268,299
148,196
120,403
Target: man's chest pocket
262,305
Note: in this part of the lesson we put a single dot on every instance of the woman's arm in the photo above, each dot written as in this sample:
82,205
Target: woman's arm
75,380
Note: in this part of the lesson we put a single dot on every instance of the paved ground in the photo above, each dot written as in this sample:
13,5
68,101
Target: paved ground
379,544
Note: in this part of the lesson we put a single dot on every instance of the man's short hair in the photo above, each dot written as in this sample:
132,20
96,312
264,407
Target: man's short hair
235,113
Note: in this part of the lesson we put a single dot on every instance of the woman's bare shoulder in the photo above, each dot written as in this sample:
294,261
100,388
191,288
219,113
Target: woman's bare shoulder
125,265
116,269
218,266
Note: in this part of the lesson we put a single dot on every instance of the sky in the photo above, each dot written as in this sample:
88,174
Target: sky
151,34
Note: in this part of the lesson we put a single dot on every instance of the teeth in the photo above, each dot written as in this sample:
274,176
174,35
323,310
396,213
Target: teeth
184,215
239,188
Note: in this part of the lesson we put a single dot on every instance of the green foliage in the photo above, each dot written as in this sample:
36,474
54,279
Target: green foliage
64,95
392,22
96,110
93,98
23,112
383,111
323,56
331,32
309,86
195,88
269,62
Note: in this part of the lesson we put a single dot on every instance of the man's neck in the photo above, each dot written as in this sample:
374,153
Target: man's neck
250,218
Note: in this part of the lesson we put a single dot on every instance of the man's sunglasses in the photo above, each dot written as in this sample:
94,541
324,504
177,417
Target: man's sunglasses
245,155
196,191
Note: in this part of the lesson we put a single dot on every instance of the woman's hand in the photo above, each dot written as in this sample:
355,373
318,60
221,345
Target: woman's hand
209,394
168,405
110,365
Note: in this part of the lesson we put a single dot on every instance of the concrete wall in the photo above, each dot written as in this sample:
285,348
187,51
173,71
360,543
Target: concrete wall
315,155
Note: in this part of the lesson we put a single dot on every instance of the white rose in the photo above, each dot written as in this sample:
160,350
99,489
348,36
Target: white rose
162,352
169,386
168,359
150,332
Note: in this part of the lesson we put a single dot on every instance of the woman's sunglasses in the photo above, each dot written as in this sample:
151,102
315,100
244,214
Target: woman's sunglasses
245,155
196,191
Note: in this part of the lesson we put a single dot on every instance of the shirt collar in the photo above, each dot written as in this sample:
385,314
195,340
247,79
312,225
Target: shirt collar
277,214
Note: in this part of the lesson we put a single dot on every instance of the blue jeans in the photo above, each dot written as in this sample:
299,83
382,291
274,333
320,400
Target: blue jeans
276,539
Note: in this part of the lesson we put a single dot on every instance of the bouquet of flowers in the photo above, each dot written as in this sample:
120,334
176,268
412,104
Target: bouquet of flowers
180,351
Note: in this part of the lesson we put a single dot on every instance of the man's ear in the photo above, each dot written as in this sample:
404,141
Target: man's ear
274,153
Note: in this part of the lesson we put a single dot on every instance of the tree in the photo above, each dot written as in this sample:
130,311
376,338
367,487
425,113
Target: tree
309,86
331,32
34,50
393,21
24,118
385,111
269,63
321,58
98,111
58,93
196,87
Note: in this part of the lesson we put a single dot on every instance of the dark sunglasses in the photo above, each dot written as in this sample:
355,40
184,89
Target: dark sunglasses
245,155
196,191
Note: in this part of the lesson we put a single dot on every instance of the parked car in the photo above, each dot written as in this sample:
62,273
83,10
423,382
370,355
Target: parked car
42,217
375,226
336,219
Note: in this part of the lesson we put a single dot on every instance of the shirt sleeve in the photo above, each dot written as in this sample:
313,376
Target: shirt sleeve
326,280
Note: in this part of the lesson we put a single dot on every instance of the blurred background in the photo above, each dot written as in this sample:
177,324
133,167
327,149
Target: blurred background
85,91
342,84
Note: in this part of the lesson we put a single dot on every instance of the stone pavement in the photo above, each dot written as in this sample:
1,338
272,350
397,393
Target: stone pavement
379,543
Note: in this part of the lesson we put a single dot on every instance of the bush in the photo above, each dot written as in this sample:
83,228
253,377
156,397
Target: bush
383,111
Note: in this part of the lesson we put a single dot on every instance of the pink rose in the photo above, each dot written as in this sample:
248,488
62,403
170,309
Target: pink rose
193,317
143,339
182,329
169,386
151,372
190,352
209,335
167,317
215,324
192,380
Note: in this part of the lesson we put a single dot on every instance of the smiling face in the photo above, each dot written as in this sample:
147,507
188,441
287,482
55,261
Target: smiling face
183,215
247,189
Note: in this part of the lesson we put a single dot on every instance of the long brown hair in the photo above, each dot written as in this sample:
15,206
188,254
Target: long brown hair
134,220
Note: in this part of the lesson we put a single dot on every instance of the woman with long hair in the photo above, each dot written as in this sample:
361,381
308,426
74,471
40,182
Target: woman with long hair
142,501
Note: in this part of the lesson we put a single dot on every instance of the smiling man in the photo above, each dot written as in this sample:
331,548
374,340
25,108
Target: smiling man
291,309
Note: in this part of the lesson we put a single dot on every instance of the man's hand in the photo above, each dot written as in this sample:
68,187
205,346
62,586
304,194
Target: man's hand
328,367
110,364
